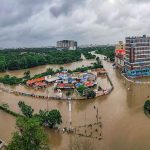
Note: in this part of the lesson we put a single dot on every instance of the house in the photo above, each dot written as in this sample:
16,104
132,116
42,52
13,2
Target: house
65,86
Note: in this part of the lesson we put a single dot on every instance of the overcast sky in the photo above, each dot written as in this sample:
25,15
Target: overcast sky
43,22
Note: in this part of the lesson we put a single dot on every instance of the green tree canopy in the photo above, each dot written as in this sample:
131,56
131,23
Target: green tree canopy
50,118
30,136
26,110
27,74
46,118
90,94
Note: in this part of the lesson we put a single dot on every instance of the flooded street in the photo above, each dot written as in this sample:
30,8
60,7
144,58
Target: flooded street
125,127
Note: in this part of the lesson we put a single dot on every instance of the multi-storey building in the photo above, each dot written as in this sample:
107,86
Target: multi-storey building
67,44
137,60
120,45
120,55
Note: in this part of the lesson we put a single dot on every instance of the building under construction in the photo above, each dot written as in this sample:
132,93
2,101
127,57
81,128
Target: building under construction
137,60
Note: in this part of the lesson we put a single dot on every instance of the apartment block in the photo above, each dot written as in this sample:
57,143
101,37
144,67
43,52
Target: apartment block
67,44
137,60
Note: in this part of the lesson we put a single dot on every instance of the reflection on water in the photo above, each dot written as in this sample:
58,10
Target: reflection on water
124,124
137,94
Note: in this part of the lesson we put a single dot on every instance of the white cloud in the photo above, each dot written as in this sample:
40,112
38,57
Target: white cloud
38,23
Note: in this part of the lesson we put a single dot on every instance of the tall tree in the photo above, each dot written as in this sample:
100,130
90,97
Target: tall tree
27,74
26,110
30,136
50,118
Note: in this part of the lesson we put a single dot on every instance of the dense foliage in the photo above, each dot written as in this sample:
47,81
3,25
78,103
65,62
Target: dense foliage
49,118
26,110
46,118
27,58
81,89
88,55
14,80
27,74
30,135
83,69
108,51
10,80
84,91
90,94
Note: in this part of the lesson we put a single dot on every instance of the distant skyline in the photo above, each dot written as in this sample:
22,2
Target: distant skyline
33,23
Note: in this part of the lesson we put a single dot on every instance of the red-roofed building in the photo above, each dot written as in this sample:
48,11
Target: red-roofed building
89,84
65,86
40,84
33,81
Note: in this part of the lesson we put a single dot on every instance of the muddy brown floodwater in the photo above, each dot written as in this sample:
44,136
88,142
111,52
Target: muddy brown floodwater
125,127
